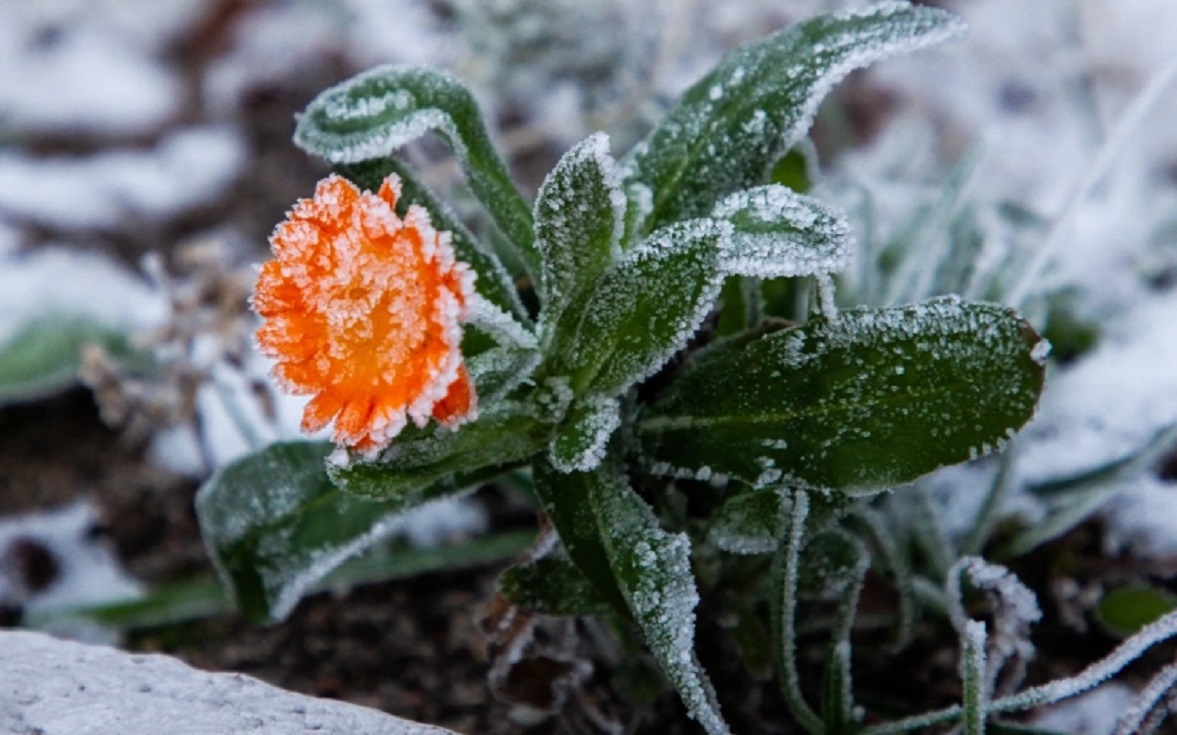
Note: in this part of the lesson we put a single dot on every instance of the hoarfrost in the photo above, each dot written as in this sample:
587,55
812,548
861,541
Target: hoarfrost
654,572
747,523
328,128
778,232
86,571
579,219
648,305
580,445
796,68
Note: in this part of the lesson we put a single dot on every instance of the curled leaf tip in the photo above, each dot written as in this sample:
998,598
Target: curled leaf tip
362,310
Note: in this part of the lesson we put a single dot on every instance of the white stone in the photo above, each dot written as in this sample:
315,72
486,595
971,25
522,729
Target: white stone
56,687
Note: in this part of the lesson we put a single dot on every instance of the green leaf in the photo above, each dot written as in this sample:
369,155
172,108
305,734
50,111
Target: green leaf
275,525
581,440
45,356
646,308
747,522
729,129
373,113
796,169
777,232
579,216
831,561
565,498
739,307
551,585
420,460
494,282
869,400
653,570
1124,611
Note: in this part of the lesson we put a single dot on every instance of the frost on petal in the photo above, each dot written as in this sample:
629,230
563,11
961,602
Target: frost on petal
363,311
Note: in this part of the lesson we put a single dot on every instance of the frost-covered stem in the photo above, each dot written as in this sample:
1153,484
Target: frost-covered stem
1149,701
972,674
884,541
987,515
784,613
918,722
840,674
1051,692
1126,128
953,597
826,303
1097,673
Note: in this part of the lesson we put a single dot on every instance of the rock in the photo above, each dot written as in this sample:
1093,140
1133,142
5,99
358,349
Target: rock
55,687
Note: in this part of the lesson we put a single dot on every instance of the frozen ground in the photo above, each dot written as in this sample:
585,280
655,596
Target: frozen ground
130,127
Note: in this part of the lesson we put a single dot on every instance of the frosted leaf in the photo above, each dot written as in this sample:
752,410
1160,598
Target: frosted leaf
580,443
647,307
871,400
505,433
579,216
778,232
747,522
653,570
373,113
267,545
732,125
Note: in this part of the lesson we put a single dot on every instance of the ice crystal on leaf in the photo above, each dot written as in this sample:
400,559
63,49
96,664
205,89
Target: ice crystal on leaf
363,310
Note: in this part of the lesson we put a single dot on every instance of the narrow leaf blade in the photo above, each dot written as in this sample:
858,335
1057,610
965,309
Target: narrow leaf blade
653,570
873,399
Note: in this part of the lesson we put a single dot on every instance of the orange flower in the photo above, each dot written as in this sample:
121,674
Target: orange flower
362,309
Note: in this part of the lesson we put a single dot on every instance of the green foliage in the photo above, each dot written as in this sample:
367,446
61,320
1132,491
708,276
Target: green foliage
652,348
45,356
870,400
1124,611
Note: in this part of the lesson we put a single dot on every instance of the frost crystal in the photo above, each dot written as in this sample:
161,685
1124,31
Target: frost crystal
777,232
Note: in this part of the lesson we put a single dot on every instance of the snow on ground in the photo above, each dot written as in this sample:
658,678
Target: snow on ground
51,562
76,66
189,168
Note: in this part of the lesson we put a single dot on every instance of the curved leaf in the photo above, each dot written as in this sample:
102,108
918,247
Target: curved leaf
581,441
872,399
275,525
732,126
778,232
384,108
